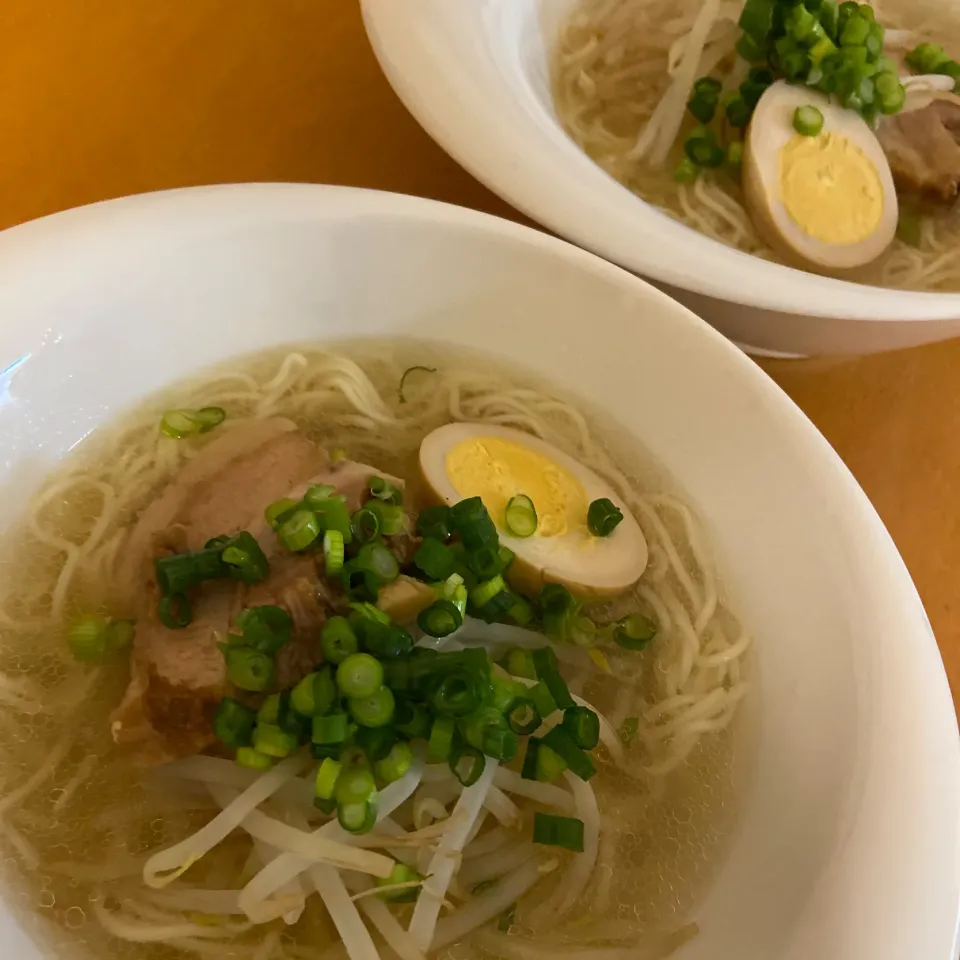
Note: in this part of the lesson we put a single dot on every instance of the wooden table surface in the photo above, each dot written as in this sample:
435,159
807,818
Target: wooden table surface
103,98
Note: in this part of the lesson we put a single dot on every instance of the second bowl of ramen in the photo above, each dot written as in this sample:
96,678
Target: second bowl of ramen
670,138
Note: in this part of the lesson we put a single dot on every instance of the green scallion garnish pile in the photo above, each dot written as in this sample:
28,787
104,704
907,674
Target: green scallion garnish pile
376,691
834,49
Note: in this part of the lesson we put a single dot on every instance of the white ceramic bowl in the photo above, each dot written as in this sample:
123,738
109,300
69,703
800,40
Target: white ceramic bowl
475,74
849,842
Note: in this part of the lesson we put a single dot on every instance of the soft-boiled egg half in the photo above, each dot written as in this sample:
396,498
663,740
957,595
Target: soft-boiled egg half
494,463
826,202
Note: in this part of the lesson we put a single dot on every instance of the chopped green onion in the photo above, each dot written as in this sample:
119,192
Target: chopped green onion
702,149
273,741
337,640
244,558
359,675
326,782
519,663
520,518
357,818
556,600
355,785
375,742
435,559
472,521
317,495
521,612
467,764
529,768
523,716
750,50
364,612
365,525
353,756
440,619
440,744
253,759
686,171
628,729
703,101
505,690
386,491
892,102
332,514
359,584
458,692
330,729
484,592
807,121
545,661
554,831
299,531
278,511
94,639
561,743
756,19
412,719
603,517
476,727
400,875
375,709
501,743
309,698
249,669
583,725
174,611
266,628
396,763
485,562
822,48
391,518
795,65
549,764
376,559
756,84
926,58
178,424
385,641
233,723
950,69
435,522
635,631
333,551
269,711
738,112
180,571
542,699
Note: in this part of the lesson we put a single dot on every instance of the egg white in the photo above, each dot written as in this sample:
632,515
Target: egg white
770,130
589,566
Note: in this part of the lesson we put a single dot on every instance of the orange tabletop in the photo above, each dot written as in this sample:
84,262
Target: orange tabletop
108,97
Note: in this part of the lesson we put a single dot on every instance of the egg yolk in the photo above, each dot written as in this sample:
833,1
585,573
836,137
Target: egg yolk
830,188
496,470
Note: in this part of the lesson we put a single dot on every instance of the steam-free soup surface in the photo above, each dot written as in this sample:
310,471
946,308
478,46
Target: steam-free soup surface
80,814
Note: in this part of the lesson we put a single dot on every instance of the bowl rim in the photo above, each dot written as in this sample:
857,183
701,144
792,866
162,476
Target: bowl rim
482,120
